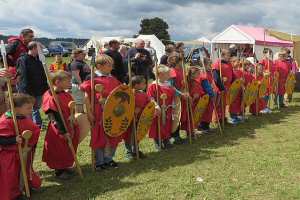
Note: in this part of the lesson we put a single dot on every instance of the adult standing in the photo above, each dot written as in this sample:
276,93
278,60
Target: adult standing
80,71
32,78
170,48
17,45
152,51
118,70
141,59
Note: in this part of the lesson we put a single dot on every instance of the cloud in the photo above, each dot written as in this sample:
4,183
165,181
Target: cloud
187,19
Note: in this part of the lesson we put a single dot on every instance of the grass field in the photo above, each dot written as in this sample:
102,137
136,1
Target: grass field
256,160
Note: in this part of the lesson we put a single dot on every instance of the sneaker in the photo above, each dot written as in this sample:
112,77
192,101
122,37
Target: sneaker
112,164
232,121
240,118
129,156
264,111
269,110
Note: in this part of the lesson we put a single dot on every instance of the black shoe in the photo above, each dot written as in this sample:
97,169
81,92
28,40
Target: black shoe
141,155
178,141
167,144
58,172
22,197
100,168
64,176
112,164
70,171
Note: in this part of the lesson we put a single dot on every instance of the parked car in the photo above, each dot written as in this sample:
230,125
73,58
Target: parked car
60,47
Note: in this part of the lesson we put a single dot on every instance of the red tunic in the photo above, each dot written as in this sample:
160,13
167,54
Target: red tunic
262,104
165,130
208,114
283,68
196,88
177,75
99,139
57,154
9,158
235,107
141,101
268,66
227,72
227,77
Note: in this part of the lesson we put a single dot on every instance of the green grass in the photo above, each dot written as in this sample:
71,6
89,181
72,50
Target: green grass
256,160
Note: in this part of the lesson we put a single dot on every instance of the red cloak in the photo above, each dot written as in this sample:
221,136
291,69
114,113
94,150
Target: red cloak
56,153
99,139
10,161
283,68
141,101
165,130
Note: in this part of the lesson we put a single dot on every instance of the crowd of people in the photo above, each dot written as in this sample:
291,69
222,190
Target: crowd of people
176,80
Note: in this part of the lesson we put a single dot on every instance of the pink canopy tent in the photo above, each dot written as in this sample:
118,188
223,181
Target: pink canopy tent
240,35
262,38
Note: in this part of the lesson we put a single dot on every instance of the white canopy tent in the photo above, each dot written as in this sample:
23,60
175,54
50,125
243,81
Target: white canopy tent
98,42
240,35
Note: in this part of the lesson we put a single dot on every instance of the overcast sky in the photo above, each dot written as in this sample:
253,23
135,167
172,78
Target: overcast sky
187,19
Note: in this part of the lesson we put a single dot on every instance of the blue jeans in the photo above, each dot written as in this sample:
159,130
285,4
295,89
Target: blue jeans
102,157
36,116
99,157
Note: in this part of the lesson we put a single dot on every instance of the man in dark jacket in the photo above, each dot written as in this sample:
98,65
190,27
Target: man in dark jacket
118,67
32,78
141,59
17,45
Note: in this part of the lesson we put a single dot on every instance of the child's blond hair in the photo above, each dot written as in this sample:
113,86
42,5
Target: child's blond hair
104,60
60,75
161,69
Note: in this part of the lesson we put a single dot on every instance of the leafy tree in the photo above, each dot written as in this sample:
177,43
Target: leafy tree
157,27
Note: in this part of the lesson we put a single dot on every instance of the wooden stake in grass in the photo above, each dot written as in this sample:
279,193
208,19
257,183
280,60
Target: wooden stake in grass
188,103
93,63
68,138
157,100
222,93
13,112
136,145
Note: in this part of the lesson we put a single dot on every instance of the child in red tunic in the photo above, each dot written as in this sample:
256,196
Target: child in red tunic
10,175
223,76
57,154
283,67
260,104
268,67
176,80
170,92
204,84
141,101
99,140
235,108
